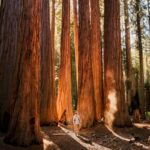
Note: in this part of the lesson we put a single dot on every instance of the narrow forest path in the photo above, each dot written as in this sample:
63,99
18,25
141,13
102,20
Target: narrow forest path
103,138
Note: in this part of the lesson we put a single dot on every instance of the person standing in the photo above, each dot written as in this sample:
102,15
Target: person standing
76,123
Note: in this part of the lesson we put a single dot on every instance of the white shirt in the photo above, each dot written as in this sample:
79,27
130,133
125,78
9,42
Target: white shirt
76,119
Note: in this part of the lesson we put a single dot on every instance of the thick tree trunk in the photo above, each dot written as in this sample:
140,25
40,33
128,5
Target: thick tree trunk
9,16
140,47
48,102
24,127
85,79
76,45
128,51
64,99
96,58
115,106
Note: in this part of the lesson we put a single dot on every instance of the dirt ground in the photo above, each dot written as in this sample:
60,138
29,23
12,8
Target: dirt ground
98,137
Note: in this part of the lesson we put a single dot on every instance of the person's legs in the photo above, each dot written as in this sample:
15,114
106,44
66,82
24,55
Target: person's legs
76,129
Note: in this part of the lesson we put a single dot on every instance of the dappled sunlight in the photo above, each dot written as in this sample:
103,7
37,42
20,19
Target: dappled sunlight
112,97
142,125
48,143
126,139
93,146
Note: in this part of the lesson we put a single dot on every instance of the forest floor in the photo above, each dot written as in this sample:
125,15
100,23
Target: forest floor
98,137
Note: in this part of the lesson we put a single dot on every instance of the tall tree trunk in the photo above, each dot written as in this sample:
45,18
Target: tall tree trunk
96,58
128,51
48,106
24,127
64,99
9,16
115,106
54,117
76,45
85,79
140,47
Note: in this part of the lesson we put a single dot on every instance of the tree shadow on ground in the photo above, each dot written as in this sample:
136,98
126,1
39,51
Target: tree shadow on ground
4,146
61,139
56,138
133,138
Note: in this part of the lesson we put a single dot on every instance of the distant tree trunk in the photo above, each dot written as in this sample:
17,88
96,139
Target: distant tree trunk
148,3
96,58
76,45
140,47
48,102
0,2
115,106
128,51
64,99
24,127
9,17
54,117
85,79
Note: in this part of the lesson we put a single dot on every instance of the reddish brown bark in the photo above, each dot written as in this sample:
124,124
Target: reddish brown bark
115,106
48,101
85,79
24,127
96,58
64,99
9,19
76,45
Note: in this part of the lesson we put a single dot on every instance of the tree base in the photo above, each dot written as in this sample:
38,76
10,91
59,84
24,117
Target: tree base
23,143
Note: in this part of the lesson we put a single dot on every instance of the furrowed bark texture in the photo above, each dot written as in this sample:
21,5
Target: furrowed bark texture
64,99
76,45
96,58
85,78
9,26
24,127
115,106
48,102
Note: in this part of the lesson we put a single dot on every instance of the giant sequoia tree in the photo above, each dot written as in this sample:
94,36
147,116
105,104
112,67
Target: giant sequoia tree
48,101
96,58
24,127
9,18
64,99
85,79
115,107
